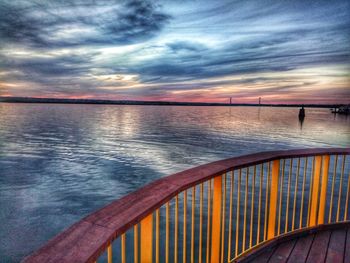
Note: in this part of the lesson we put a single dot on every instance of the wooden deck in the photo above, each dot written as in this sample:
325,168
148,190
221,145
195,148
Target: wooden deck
327,243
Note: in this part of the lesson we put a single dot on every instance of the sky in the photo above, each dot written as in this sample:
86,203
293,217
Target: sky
288,51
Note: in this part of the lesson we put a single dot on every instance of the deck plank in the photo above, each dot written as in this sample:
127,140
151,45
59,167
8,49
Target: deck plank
323,243
301,249
264,257
319,247
336,246
283,252
347,247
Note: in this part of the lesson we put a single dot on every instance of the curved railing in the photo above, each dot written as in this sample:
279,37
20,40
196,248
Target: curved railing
212,213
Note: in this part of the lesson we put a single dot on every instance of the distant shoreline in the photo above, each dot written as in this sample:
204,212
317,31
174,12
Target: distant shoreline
152,103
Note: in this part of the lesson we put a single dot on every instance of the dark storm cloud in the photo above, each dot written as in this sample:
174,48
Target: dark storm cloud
137,21
307,43
63,65
230,61
109,22
179,46
64,74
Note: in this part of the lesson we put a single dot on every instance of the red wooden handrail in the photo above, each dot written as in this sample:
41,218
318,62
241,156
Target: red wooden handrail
87,239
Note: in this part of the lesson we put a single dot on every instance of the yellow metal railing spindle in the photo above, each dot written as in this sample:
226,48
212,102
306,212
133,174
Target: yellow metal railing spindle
184,227
223,218
216,220
259,205
288,194
136,244
200,223
238,208
193,222
323,192
281,195
245,210
315,191
252,210
266,200
157,235
176,227
123,257
302,194
273,199
310,192
230,219
147,239
332,191
167,218
208,221
109,254
295,193
340,188
347,200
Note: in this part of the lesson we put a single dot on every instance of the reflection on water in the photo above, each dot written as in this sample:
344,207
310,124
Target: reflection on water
301,121
61,162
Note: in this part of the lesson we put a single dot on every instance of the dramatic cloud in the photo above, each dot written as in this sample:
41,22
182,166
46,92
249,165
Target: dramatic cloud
56,24
170,50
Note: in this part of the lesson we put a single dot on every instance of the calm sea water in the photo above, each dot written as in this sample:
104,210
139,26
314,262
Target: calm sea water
60,162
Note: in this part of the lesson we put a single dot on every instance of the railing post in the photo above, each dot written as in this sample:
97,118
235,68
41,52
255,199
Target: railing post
216,220
315,191
109,254
323,193
136,243
147,239
273,199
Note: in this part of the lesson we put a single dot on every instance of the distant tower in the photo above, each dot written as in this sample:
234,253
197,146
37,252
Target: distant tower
230,100
259,100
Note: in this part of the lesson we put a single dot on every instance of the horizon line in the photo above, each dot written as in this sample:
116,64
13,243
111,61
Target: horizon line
12,99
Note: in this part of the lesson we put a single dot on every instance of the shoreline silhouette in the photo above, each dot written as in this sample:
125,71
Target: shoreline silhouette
159,103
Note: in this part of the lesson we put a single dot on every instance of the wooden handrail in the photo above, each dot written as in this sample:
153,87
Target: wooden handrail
87,239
